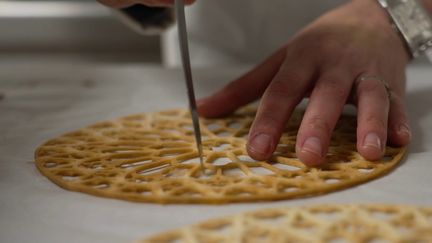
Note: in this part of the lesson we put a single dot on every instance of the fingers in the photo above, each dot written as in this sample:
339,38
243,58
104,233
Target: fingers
325,106
399,129
243,90
373,111
279,100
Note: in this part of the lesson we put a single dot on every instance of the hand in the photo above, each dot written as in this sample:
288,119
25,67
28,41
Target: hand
326,60
128,3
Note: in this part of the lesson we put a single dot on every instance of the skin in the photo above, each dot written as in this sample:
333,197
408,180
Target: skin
363,44
324,62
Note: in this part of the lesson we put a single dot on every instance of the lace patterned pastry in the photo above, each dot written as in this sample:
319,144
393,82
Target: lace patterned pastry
311,224
152,158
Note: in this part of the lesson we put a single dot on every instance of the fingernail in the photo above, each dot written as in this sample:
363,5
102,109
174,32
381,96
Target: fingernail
372,140
403,129
313,145
260,143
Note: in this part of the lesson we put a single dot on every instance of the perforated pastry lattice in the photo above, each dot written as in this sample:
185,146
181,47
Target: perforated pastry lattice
152,158
311,224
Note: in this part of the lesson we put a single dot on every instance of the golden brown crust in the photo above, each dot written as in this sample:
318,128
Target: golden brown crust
152,158
311,224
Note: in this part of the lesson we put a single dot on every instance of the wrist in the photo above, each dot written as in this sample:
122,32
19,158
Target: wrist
377,18
413,23
373,12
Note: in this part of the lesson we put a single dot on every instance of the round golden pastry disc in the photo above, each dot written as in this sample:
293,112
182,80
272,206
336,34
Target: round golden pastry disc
321,223
152,157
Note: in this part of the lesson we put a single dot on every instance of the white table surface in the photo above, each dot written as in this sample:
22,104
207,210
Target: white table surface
46,99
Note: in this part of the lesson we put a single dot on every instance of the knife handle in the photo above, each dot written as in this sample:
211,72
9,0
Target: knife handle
146,20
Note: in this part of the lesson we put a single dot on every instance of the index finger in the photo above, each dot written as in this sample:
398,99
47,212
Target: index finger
283,94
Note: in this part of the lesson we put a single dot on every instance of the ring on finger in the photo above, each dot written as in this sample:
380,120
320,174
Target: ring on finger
381,80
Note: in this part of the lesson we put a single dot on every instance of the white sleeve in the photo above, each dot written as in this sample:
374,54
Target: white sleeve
223,32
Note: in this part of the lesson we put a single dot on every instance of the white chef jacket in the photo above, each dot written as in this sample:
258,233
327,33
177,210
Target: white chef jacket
223,32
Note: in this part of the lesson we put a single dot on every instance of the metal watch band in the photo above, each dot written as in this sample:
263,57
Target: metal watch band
413,23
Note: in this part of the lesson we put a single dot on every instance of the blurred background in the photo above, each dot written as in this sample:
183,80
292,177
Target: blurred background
75,29
82,29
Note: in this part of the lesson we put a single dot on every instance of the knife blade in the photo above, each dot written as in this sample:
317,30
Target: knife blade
184,50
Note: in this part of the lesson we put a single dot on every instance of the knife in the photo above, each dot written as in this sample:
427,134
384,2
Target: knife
136,17
184,50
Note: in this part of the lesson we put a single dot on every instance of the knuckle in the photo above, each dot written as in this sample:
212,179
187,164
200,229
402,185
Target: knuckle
333,88
292,75
318,124
283,87
267,122
279,88
368,87
375,122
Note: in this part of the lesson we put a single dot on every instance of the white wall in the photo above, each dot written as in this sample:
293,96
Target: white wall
69,26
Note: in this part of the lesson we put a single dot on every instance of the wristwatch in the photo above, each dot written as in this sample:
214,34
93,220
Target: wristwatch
413,23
